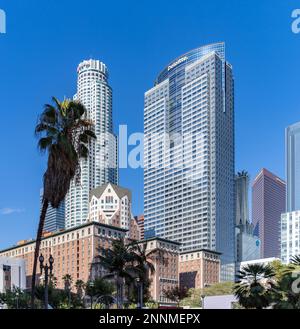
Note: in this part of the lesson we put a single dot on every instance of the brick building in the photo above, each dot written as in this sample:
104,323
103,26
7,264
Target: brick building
73,250
199,268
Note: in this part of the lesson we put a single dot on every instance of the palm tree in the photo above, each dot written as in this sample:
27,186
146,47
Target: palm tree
67,278
117,262
143,263
255,286
80,285
295,260
64,133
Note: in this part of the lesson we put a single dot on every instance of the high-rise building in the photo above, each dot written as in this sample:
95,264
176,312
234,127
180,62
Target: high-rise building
247,244
290,235
189,154
268,203
55,217
290,221
101,166
241,190
293,167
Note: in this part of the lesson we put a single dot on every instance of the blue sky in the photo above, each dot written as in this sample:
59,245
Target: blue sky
46,40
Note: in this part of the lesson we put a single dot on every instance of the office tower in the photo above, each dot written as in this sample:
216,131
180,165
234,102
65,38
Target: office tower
55,217
268,203
290,235
189,154
101,166
241,190
111,205
293,167
290,221
247,244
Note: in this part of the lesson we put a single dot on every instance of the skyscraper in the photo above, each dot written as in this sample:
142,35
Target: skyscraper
268,203
247,244
290,221
101,166
241,188
189,154
55,218
293,167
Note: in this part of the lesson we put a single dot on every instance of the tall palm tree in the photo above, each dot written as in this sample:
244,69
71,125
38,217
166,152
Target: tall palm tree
255,286
64,134
80,285
117,262
67,278
143,263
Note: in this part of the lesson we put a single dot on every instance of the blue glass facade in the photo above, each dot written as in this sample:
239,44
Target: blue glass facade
293,167
189,175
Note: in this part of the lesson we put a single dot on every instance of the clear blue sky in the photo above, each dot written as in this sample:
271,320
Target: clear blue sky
46,40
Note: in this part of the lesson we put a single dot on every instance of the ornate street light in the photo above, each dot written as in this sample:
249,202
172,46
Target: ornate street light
48,272
140,301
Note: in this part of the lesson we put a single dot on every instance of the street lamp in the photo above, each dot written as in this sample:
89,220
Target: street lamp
48,271
202,300
17,299
140,293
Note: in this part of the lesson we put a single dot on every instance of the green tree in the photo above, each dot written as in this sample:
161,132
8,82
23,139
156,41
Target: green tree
102,290
118,262
256,286
64,134
287,295
193,298
176,294
15,298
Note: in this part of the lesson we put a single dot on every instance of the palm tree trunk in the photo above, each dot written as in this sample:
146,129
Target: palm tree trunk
37,248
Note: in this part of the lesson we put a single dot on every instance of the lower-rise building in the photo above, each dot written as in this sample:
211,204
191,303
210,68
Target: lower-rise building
73,250
262,261
199,269
76,250
290,236
12,274
164,256
247,244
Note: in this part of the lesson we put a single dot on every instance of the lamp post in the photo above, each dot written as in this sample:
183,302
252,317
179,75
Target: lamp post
91,285
202,300
17,299
140,293
48,272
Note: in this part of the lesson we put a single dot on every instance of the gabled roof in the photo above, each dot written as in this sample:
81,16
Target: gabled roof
120,191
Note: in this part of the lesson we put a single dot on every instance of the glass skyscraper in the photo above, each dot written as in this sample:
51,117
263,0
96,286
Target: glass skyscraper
101,166
55,217
293,167
189,154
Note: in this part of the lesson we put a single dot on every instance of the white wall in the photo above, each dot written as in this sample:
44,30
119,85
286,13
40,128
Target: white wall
18,275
